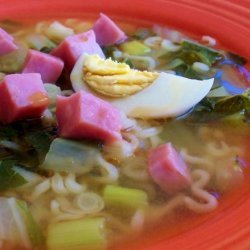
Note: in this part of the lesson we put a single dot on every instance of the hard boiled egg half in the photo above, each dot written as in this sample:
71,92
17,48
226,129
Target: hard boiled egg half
167,96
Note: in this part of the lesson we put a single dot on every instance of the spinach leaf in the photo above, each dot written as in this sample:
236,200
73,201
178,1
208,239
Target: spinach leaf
205,54
39,140
215,108
129,63
9,178
32,142
181,61
8,132
192,74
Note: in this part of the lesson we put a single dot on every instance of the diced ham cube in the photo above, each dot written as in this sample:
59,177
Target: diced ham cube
70,49
22,96
168,169
82,115
107,32
50,67
6,43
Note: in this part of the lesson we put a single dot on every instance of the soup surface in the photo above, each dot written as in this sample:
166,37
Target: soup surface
105,149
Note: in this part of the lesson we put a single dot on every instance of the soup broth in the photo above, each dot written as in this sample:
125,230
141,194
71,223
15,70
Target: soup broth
83,193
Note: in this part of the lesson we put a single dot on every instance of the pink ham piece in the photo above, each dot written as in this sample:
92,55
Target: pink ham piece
107,32
6,43
168,169
82,115
22,96
50,67
70,49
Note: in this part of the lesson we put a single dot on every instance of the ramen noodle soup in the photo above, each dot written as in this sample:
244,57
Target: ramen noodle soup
108,129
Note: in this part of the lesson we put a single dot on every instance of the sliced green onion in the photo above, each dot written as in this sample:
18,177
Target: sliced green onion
31,177
53,91
121,196
57,31
170,46
175,63
141,62
117,54
200,67
135,48
153,41
39,42
87,233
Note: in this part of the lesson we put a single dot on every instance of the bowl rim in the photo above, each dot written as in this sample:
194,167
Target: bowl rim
227,21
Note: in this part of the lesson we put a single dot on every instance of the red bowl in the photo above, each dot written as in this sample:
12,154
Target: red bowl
229,22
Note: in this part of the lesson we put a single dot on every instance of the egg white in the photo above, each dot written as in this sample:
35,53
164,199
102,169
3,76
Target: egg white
168,96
